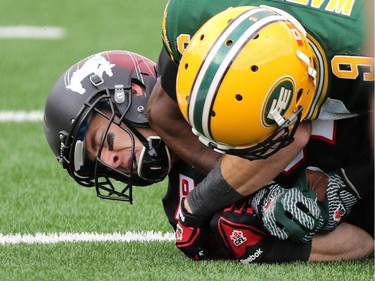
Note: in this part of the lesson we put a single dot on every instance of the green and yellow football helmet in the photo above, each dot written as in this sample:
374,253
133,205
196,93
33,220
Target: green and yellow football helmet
246,79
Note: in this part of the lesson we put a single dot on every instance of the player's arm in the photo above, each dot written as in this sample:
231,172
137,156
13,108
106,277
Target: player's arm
346,242
236,177
167,121
249,176
244,176
226,183
232,176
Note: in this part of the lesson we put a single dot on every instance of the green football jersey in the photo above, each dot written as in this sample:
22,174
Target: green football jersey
336,29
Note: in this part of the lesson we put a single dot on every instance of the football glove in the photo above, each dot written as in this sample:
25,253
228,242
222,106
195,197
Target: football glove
335,200
239,231
191,232
288,213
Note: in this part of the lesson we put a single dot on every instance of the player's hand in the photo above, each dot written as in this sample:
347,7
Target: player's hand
240,233
191,232
288,213
336,196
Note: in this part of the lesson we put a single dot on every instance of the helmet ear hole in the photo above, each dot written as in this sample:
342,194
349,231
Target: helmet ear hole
201,37
239,97
254,68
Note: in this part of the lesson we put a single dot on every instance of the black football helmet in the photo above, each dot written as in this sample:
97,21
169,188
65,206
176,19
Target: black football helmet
99,84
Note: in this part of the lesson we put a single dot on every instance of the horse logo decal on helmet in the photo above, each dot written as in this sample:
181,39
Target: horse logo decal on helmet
96,65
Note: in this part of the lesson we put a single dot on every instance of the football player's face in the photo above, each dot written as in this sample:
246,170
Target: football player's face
117,144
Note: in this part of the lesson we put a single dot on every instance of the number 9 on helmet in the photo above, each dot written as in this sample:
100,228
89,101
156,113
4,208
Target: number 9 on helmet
246,80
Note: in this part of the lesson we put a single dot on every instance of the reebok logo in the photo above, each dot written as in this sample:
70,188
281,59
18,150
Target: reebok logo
252,257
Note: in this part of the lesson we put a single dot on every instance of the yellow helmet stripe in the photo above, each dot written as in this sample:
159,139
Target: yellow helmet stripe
242,29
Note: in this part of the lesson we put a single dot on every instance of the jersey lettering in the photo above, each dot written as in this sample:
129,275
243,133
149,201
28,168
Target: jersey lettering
343,7
349,67
182,42
186,184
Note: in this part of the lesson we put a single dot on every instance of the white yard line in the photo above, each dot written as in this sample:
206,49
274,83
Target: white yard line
32,32
21,116
65,237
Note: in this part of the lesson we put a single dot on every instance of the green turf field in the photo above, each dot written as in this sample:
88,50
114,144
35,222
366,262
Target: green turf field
37,196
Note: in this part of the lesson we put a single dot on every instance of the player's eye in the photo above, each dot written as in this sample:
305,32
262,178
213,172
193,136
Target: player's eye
110,141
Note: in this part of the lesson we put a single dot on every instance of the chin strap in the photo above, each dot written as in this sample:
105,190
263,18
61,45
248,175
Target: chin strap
310,70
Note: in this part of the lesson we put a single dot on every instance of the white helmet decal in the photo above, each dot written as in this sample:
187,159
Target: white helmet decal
95,65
